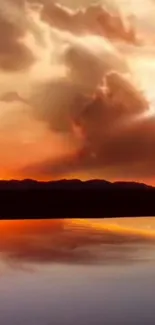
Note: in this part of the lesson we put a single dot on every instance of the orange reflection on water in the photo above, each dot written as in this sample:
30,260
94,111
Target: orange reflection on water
71,241
118,228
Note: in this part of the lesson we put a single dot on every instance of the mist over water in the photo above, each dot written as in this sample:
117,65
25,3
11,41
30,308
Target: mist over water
66,272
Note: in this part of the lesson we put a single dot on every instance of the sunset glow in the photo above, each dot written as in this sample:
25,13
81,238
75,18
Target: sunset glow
77,89
60,240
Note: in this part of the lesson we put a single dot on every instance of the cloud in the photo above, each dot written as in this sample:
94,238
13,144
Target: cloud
68,241
79,83
76,90
11,97
114,135
14,55
94,19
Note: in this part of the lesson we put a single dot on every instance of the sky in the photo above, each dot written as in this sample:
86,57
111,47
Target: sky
77,95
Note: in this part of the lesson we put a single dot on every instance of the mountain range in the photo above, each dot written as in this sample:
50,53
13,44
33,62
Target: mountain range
76,184
29,199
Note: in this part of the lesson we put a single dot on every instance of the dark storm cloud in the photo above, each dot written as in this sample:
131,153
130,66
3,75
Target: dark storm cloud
59,102
113,134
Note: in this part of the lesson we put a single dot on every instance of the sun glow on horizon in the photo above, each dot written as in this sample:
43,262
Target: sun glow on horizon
142,228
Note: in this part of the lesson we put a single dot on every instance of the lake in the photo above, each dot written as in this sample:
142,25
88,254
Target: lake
85,272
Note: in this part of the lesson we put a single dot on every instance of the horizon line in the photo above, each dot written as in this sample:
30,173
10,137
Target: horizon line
76,179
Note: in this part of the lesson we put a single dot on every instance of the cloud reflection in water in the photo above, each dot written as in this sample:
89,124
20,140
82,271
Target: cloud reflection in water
72,242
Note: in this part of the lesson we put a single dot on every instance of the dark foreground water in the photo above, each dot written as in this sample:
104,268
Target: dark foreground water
65,274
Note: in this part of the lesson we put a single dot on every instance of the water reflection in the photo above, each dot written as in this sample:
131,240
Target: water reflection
72,241
69,272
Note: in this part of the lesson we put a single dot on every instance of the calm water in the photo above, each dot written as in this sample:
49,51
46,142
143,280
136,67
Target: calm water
65,273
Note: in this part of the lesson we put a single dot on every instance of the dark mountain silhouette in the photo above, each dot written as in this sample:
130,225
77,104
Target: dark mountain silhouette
30,199
30,184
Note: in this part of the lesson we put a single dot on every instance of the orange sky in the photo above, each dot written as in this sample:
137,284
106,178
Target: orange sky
77,89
